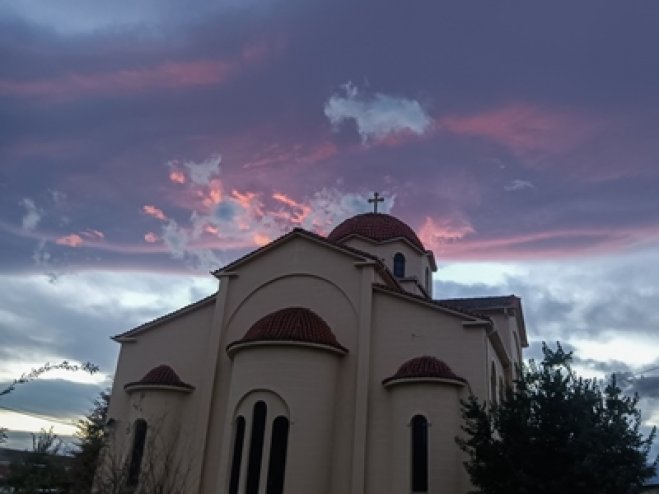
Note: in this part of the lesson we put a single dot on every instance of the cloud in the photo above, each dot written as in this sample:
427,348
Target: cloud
155,212
151,238
525,128
163,76
518,185
435,233
203,172
377,116
71,240
33,214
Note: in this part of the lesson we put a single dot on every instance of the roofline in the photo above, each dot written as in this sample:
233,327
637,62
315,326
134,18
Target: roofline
128,336
516,305
423,251
392,381
236,346
300,232
473,318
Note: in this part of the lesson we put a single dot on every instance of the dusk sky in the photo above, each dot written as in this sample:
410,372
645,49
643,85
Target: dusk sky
144,143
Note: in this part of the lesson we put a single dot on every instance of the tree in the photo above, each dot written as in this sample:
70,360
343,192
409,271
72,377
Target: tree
555,432
40,470
90,436
36,373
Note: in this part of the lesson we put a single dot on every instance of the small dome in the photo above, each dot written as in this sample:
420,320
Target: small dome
162,375
291,324
424,368
376,226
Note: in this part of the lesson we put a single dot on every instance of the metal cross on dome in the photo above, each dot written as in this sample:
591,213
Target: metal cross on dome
375,199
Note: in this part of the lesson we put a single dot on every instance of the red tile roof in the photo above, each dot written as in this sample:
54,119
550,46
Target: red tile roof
291,324
424,367
376,226
162,375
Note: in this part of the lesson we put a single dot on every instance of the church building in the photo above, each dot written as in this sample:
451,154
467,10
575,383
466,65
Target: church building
321,365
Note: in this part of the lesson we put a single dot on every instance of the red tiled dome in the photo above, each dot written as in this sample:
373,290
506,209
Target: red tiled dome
424,367
162,375
376,226
291,324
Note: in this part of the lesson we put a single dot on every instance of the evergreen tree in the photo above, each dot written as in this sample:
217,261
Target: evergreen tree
556,432
90,441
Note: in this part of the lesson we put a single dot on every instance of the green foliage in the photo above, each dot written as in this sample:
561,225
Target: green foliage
90,441
39,470
556,432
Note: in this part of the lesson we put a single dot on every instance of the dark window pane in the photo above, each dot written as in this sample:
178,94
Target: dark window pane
399,265
256,448
139,438
237,455
419,454
277,466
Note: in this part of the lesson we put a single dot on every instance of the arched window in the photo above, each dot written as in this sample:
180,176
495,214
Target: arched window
428,280
139,440
256,448
493,384
419,454
502,390
277,465
238,441
399,265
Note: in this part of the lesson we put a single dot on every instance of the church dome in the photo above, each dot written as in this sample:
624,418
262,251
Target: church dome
423,368
162,376
292,324
375,226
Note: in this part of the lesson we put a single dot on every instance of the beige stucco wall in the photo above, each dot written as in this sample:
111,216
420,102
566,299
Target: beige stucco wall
348,432
415,263
302,274
177,343
304,378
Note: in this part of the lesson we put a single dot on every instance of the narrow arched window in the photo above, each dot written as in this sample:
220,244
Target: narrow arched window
419,454
277,465
399,265
256,447
239,439
502,390
428,280
493,384
139,440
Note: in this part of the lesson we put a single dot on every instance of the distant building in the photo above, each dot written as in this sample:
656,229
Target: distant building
321,365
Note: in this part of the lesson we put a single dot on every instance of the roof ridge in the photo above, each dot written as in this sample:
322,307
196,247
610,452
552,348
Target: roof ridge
144,326
433,302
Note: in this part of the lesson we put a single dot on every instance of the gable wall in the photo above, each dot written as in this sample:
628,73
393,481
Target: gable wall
403,330
299,273
178,343
415,263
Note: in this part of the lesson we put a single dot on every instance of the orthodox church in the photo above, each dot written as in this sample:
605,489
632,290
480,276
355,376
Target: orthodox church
322,365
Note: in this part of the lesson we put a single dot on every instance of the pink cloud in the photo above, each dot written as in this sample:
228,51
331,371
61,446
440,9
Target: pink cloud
155,212
435,233
178,177
299,154
151,238
299,211
524,128
165,75
72,240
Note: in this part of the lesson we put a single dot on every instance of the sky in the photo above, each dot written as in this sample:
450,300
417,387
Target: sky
143,144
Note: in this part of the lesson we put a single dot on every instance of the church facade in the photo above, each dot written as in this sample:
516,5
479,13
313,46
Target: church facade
321,365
